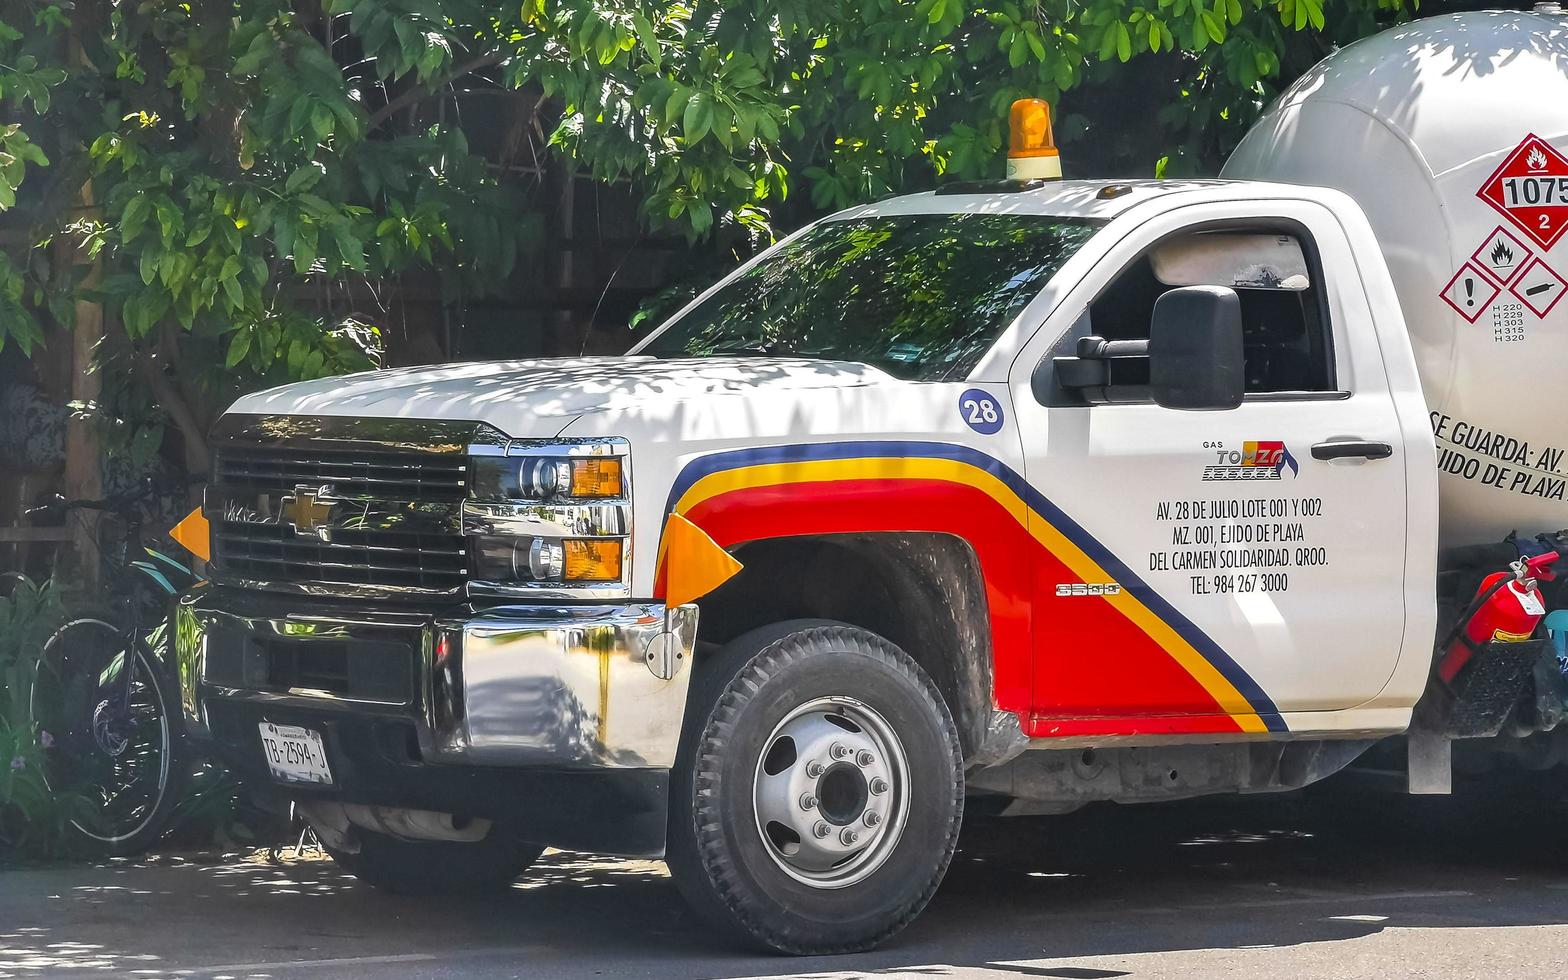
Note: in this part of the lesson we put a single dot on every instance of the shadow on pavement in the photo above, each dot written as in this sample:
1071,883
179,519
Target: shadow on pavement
1022,896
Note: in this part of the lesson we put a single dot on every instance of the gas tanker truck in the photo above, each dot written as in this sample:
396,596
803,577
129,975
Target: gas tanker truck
1035,490
1447,133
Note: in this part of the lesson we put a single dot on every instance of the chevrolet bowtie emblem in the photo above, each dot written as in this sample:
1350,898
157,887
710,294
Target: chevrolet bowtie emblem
307,510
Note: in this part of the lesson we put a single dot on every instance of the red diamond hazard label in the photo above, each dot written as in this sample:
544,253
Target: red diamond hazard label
1539,288
1470,292
1530,188
1502,255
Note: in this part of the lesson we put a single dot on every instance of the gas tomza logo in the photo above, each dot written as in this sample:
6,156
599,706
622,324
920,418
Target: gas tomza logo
1260,460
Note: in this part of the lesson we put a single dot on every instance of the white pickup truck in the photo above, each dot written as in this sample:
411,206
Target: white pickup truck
1045,491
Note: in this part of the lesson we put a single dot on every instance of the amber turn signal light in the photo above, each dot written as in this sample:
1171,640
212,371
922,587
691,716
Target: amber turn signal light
596,477
592,560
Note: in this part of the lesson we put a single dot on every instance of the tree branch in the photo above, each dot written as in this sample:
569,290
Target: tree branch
419,92
150,366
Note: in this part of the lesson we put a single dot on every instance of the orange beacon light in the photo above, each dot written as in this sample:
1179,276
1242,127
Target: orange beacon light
1031,153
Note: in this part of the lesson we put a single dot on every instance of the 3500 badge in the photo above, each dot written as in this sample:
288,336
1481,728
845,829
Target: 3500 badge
1074,589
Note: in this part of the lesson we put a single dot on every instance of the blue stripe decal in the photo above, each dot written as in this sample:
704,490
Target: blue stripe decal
1211,651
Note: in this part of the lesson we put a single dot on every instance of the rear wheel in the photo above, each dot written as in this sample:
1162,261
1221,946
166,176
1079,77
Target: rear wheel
112,750
409,867
819,792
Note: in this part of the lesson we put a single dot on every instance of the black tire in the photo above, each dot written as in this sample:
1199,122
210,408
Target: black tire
405,867
153,772
736,874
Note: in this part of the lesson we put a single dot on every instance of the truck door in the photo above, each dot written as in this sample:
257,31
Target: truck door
1218,571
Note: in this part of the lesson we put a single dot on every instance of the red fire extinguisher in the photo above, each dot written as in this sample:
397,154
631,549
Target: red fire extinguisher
1508,607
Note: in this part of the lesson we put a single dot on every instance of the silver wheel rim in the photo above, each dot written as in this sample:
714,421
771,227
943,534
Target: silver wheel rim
831,792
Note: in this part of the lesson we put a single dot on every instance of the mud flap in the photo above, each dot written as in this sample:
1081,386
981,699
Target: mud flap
1429,763
1490,687
1496,682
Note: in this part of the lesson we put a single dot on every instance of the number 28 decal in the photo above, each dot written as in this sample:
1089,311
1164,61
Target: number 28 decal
981,411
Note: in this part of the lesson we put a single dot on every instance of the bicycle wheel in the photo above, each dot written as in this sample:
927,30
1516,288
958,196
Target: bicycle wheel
115,748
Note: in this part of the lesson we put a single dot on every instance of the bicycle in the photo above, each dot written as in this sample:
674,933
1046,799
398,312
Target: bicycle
108,701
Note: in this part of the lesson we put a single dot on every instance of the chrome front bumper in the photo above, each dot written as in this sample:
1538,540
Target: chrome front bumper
574,687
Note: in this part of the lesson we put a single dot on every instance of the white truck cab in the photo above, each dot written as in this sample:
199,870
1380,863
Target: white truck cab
1048,491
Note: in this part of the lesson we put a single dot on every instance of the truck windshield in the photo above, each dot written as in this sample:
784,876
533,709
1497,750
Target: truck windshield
921,296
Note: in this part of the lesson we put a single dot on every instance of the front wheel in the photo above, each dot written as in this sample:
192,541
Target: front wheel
112,751
819,792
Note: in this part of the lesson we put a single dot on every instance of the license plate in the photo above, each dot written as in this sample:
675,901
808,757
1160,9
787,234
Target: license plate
294,754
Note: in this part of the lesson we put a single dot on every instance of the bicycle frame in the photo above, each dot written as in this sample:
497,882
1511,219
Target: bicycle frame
156,568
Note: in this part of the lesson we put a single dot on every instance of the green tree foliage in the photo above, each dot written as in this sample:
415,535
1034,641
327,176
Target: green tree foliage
33,820
229,162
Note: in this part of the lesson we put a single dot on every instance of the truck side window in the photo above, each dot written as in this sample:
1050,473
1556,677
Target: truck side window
1285,327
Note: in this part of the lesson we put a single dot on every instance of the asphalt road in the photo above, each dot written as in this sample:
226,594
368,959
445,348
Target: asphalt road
1338,884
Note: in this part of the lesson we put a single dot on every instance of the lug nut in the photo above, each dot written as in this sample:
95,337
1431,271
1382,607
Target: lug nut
878,786
807,801
839,751
848,836
865,759
813,769
872,818
821,829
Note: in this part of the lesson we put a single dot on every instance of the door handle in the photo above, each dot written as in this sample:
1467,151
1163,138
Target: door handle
1352,449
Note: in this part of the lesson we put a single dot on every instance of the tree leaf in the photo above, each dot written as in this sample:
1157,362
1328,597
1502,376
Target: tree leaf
1212,25
239,346
299,115
302,179
349,247
698,118
650,40
1107,44
677,103
134,218
304,248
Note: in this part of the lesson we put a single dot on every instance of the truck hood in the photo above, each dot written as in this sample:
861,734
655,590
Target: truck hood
537,399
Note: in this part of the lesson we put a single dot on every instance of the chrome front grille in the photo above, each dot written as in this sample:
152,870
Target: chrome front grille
382,475
271,553
370,507
342,505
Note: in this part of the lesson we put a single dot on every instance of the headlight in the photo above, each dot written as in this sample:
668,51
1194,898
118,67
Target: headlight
547,477
536,559
549,516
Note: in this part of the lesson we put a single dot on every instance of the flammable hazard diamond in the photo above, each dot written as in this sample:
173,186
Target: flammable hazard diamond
1502,256
1530,188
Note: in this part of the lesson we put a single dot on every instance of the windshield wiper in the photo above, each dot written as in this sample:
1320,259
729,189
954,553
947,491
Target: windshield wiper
760,348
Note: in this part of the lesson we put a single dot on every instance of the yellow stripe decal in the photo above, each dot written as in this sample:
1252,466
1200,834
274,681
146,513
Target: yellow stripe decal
1168,639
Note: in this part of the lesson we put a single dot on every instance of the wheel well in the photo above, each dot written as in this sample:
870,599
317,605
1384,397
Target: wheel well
923,592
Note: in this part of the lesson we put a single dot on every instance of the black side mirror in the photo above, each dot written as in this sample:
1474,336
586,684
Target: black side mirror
1196,359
